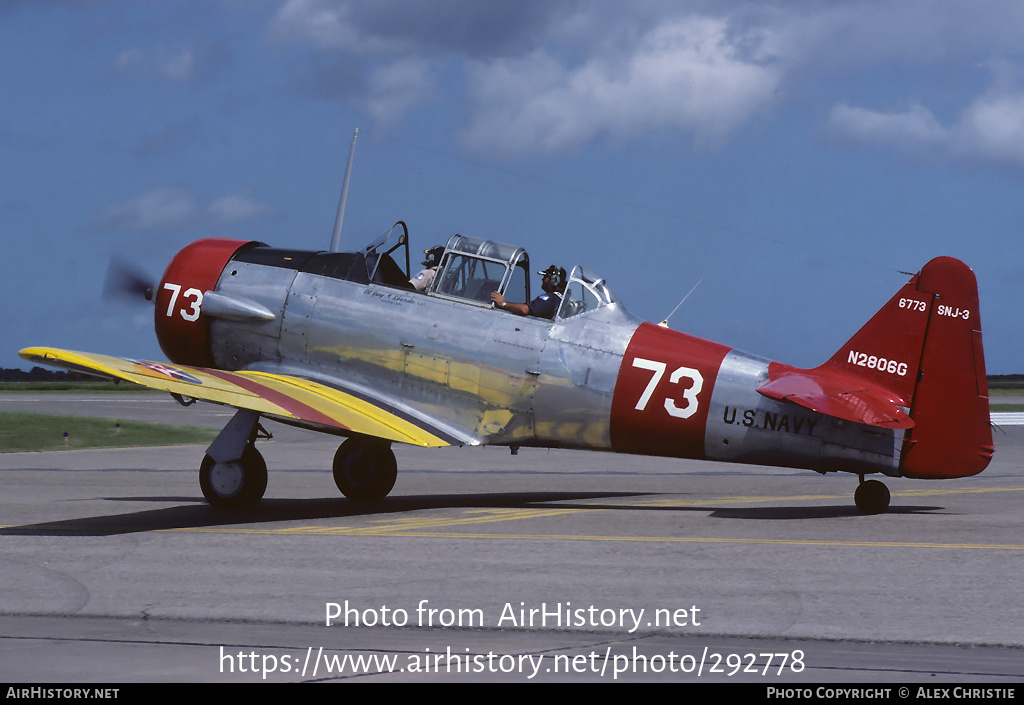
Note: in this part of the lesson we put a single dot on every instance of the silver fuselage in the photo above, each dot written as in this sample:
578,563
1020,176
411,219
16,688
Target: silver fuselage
485,376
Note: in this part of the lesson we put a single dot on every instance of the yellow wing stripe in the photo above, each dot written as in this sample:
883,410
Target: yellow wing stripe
273,395
345,410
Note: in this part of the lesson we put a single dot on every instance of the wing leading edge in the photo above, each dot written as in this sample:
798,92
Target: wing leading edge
284,397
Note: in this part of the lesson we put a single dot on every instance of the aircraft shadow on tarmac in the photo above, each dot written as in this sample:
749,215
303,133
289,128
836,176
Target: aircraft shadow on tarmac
812,512
197,514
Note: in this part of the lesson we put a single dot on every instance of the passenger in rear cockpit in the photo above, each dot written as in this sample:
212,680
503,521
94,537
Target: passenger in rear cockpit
421,282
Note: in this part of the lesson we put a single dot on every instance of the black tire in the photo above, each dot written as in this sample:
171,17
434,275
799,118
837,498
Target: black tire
235,485
872,497
365,469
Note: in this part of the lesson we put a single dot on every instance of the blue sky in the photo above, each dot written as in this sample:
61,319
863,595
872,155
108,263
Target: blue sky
794,156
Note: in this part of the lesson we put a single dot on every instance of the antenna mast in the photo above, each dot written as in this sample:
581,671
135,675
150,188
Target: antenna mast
664,324
336,237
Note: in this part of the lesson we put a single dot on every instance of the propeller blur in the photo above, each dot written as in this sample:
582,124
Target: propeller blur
126,281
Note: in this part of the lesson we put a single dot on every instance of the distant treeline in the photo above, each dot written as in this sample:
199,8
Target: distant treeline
1005,381
41,374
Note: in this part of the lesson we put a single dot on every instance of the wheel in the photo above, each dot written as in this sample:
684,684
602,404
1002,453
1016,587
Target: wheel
872,497
365,469
239,484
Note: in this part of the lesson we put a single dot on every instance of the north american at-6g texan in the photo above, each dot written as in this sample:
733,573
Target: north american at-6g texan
339,342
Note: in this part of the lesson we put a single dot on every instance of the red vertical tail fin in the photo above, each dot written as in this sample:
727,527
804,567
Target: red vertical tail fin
924,346
953,435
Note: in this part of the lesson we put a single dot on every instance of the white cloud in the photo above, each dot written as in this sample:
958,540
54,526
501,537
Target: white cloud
175,209
395,88
179,66
688,75
159,209
130,59
185,64
549,76
553,75
853,35
915,127
236,208
990,129
317,22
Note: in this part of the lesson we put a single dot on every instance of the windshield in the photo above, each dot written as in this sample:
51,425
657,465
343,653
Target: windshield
380,265
585,292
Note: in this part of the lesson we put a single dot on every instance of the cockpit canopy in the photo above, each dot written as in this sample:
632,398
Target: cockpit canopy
473,269
470,270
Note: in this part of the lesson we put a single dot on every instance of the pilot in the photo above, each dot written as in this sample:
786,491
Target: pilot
545,305
421,282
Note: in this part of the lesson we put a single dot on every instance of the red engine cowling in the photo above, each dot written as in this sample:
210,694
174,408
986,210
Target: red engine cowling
181,329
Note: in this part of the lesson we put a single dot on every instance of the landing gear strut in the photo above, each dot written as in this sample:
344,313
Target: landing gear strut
233,475
365,469
871,497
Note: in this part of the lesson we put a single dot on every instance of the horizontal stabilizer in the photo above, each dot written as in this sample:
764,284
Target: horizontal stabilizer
837,395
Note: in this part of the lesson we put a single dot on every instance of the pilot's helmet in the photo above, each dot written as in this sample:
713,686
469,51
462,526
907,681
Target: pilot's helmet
433,256
556,278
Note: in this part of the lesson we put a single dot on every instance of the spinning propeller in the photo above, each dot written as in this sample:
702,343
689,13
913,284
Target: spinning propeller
127,281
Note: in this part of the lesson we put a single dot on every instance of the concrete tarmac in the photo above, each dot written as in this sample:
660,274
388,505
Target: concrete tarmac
483,566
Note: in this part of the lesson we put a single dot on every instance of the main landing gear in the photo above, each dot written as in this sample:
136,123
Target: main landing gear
237,484
233,475
871,497
365,468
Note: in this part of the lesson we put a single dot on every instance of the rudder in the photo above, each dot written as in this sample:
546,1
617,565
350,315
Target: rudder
952,435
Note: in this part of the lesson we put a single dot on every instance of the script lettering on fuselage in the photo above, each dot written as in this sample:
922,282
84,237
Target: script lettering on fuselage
390,297
769,421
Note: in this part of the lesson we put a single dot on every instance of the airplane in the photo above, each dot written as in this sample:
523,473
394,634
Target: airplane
339,342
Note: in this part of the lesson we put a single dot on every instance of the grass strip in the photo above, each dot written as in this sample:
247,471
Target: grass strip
21,432
77,387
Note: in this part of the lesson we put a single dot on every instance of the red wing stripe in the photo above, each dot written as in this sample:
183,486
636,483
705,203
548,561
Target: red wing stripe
289,404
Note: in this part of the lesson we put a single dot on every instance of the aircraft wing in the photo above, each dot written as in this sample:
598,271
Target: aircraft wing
284,397
836,395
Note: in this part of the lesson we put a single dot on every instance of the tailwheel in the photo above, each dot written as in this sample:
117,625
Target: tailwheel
871,497
365,469
238,484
